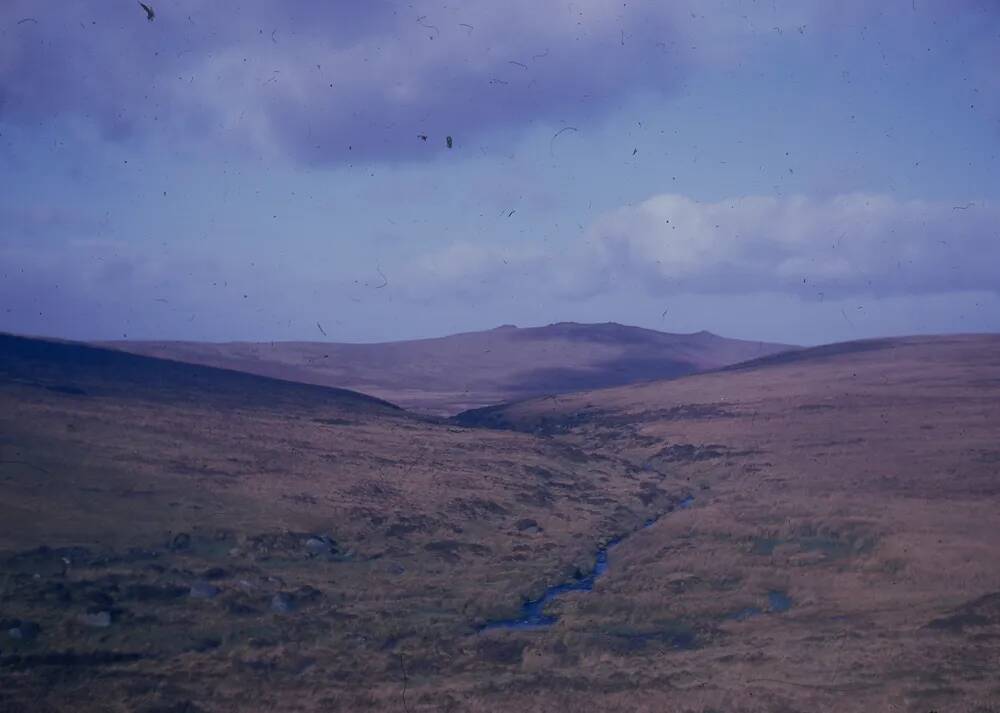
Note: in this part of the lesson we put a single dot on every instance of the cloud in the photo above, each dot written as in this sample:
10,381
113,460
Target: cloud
479,271
37,220
333,81
329,81
713,264
832,247
812,248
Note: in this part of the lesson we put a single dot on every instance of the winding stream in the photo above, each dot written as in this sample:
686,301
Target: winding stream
533,614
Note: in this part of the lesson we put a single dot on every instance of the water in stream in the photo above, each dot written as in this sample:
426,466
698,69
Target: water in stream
533,614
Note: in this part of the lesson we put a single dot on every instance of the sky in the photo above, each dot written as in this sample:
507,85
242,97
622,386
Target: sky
803,172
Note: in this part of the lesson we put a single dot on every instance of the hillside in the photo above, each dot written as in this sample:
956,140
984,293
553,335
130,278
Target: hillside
449,374
814,531
841,555
168,526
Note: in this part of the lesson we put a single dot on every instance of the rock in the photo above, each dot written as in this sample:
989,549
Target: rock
316,547
24,631
201,589
528,525
214,573
306,593
180,542
98,620
283,603
396,569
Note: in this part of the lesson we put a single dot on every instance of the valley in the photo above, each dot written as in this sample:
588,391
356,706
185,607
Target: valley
446,375
807,531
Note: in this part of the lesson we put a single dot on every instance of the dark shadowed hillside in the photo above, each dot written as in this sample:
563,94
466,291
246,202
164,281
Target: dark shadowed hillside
75,369
450,374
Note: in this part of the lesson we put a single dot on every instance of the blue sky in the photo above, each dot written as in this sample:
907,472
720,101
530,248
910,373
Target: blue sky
766,170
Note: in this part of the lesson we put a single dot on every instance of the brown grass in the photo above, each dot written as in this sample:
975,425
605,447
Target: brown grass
863,483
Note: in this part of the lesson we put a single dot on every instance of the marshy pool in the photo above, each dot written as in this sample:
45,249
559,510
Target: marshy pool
778,602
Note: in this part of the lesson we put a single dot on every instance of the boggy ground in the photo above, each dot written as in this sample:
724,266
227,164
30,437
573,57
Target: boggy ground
204,541
862,481
185,538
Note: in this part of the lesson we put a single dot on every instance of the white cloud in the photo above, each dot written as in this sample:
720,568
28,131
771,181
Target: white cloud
847,244
817,249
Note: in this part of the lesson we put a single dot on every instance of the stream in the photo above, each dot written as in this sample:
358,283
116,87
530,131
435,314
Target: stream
533,614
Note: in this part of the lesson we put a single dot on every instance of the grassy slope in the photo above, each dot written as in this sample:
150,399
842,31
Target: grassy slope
118,454
446,375
862,479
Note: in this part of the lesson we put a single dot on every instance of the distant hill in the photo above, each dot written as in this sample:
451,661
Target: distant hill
786,379
446,375
81,370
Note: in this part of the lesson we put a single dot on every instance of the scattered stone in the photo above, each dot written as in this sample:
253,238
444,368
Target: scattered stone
396,569
24,631
316,547
214,573
98,620
528,525
201,589
180,542
283,603
282,544
306,593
